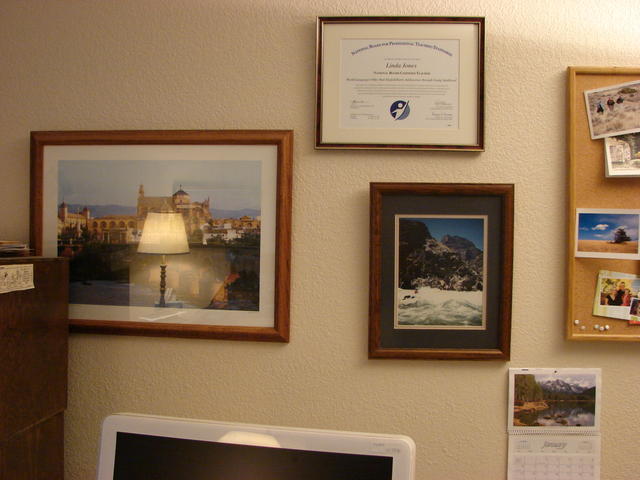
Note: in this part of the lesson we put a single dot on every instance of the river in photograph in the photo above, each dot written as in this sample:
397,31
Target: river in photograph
561,414
426,306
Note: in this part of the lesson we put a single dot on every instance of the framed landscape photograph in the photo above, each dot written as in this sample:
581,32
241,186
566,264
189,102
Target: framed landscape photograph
401,83
440,270
607,233
169,233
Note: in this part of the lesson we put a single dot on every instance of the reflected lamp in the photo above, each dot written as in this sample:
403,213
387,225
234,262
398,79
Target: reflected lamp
163,234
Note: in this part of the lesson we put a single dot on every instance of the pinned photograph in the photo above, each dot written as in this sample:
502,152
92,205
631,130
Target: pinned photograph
547,399
615,293
609,233
440,270
634,312
622,155
613,110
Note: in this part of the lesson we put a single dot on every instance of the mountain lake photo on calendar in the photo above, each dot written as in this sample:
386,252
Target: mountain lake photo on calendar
552,400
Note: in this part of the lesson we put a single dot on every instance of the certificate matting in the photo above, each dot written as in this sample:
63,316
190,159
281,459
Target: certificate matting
400,83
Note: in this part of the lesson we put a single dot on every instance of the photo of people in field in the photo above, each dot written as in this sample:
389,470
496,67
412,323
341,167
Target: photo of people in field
613,110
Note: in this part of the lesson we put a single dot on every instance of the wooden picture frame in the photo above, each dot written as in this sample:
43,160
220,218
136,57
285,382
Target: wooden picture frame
589,187
400,83
91,192
440,277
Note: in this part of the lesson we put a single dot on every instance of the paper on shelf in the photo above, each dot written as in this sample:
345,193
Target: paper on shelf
16,277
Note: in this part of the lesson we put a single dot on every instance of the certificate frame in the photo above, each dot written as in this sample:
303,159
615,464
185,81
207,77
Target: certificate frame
423,288
233,188
364,86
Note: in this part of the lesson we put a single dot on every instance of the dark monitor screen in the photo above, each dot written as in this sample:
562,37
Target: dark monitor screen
151,457
145,447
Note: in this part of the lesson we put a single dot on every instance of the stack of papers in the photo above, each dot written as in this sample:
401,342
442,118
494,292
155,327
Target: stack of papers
10,248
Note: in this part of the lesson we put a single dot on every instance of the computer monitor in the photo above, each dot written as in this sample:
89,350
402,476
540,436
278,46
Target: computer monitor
163,448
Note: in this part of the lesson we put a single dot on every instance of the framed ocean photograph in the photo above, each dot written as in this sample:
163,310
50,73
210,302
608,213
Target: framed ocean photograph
169,233
440,270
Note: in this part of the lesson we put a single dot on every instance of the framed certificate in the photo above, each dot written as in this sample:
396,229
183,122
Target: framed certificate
400,83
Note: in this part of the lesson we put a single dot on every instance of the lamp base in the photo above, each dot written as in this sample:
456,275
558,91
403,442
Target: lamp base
163,282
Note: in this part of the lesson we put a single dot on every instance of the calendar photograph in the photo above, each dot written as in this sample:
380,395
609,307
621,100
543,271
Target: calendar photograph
547,399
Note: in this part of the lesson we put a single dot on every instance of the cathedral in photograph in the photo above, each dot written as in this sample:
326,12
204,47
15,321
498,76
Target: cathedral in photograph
124,229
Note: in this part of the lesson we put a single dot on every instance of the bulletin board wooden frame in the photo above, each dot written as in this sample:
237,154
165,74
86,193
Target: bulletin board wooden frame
590,188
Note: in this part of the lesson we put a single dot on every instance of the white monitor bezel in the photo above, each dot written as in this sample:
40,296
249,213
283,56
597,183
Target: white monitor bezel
399,447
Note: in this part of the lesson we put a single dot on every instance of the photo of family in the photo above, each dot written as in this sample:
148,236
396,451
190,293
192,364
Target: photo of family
613,110
615,293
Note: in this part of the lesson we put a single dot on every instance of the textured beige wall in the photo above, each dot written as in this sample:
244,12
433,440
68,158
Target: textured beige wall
214,64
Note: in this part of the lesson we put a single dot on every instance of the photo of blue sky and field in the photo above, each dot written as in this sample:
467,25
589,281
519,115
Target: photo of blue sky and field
554,398
440,271
607,233
102,206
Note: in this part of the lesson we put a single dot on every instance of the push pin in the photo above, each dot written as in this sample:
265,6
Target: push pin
601,329
607,327
576,322
596,327
583,328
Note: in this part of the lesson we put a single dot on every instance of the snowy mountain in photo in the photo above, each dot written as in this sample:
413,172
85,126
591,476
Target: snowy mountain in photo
452,263
560,386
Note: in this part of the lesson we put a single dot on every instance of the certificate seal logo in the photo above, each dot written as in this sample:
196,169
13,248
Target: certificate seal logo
400,109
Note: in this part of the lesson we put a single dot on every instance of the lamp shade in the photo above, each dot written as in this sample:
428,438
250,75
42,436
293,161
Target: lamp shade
164,233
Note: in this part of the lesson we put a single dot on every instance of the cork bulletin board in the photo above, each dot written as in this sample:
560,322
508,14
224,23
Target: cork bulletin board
590,188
